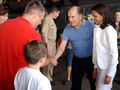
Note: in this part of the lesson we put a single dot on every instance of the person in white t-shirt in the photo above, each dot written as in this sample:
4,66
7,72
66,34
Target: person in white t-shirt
30,77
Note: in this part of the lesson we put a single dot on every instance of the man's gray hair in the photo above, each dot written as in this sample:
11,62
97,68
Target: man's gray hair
33,6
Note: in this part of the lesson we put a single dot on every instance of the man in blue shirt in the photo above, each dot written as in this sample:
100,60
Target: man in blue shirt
80,33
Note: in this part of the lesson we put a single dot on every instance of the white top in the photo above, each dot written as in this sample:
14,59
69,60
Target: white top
31,79
105,51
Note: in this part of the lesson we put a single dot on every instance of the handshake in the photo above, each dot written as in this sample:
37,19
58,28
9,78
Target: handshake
52,60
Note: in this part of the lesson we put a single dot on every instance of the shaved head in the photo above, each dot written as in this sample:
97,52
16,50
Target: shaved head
76,9
75,16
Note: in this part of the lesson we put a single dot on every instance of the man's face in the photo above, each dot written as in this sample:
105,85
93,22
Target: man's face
117,17
56,14
39,19
74,18
43,60
4,17
97,18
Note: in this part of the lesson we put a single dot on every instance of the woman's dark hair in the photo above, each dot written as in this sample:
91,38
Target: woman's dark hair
104,11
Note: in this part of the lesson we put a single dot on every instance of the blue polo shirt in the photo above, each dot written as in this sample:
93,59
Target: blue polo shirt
81,39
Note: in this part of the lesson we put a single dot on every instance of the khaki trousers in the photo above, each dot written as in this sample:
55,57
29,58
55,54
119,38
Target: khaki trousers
48,71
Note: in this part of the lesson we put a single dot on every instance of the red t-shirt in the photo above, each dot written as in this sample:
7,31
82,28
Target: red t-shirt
14,34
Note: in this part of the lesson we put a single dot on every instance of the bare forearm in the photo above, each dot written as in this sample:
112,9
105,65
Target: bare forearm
48,61
60,49
59,52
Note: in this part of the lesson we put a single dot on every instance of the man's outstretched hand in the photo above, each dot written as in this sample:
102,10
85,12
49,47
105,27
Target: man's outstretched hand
54,61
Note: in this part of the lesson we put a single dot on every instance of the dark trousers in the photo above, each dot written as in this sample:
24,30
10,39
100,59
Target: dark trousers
79,66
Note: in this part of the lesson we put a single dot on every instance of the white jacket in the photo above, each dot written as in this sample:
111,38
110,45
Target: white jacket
105,51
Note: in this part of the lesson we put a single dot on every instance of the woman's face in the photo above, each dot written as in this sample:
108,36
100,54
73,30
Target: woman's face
96,17
117,17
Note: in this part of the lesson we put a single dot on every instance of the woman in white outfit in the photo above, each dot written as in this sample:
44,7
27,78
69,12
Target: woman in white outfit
105,52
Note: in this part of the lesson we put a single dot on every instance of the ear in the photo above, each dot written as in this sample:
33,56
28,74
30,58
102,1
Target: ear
81,15
35,15
42,60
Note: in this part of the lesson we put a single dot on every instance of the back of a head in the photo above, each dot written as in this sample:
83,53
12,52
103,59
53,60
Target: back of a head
33,6
34,50
3,9
53,8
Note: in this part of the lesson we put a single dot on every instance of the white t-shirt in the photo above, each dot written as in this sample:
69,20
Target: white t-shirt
31,79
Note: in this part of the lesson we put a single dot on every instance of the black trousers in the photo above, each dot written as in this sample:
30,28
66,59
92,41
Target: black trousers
79,66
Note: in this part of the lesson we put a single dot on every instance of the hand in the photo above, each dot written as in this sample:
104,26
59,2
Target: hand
47,61
107,79
54,61
94,74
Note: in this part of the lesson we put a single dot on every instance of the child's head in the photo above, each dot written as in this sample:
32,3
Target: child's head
35,50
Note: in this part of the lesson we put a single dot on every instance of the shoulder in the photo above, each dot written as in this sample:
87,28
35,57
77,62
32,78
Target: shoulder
110,31
22,69
48,19
110,28
20,72
88,23
68,27
44,82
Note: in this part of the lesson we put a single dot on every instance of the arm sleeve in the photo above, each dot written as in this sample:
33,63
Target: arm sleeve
45,26
94,58
65,35
112,39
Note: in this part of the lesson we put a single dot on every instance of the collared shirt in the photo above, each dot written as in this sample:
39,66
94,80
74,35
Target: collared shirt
105,52
81,39
50,29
